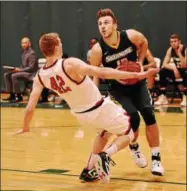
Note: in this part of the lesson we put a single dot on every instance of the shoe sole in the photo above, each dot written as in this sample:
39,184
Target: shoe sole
100,171
84,181
157,173
143,166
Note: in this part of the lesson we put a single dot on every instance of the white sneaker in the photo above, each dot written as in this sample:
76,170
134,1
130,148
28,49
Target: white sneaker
162,109
183,103
139,158
157,168
162,100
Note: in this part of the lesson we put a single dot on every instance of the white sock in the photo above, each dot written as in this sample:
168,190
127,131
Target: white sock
91,161
155,150
111,150
134,143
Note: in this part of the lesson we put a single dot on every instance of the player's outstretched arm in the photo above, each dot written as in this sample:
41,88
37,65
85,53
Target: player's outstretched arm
82,68
35,94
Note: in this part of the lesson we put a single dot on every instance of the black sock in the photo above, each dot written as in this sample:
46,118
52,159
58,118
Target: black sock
156,157
134,146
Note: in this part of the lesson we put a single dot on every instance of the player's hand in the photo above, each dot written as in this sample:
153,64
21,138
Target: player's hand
179,50
16,70
176,73
148,73
21,131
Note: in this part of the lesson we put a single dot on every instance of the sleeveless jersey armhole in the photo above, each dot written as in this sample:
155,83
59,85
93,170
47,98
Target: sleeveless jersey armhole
39,77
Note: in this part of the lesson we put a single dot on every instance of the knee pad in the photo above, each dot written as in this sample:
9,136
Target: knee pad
148,116
135,121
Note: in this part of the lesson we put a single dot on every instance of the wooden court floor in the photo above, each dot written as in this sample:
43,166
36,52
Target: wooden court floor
52,155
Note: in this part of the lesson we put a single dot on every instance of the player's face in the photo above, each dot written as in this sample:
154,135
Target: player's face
92,42
25,43
175,42
106,26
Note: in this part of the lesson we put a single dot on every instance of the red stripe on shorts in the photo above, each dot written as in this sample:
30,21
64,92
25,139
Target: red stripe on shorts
129,127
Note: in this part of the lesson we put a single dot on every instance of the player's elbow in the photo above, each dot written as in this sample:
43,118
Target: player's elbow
145,43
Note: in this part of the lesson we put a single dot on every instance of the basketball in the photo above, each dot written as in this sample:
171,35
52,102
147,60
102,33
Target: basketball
129,66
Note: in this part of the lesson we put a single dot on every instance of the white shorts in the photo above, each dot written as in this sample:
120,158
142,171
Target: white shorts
109,116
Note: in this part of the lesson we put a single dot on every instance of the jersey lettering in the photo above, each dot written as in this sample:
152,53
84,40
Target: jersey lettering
58,84
119,55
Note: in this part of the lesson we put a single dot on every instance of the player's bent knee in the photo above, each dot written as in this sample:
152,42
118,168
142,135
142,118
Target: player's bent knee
135,121
102,134
148,116
105,134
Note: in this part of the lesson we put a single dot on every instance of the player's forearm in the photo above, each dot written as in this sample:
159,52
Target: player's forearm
182,59
109,73
150,65
27,119
146,67
184,65
142,52
167,66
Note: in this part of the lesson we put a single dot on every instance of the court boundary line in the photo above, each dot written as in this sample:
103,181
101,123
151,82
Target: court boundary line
113,178
32,127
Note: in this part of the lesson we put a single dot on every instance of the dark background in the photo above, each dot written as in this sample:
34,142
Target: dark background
76,24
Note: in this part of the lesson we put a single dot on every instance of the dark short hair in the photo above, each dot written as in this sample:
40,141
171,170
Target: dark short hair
94,38
106,12
174,36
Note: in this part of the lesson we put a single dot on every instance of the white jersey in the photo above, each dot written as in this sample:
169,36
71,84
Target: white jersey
79,96
82,97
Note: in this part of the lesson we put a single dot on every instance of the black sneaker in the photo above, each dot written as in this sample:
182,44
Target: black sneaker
88,175
103,166
11,97
17,99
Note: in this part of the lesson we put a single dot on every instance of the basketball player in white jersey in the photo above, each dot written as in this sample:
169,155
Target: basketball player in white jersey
69,79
